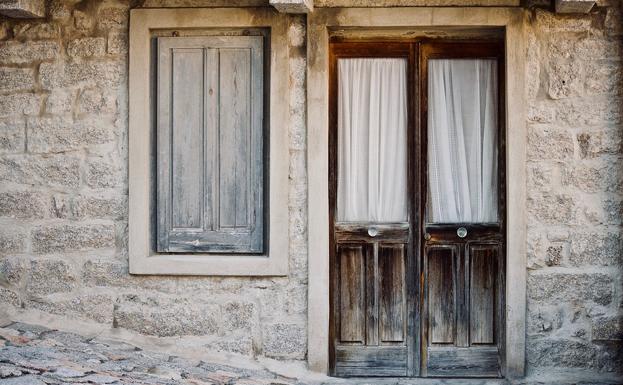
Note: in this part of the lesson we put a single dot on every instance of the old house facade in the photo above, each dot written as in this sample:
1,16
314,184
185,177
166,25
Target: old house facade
278,180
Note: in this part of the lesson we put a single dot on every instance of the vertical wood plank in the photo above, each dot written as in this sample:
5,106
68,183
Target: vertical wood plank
391,293
351,293
187,138
461,285
482,293
372,296
441,295
234,135
211,153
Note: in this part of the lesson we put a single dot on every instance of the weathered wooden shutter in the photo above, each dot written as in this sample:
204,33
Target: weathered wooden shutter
210,161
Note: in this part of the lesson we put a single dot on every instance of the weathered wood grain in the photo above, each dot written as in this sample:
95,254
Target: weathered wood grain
392,303
463,362
441,284
210,144
483,264
352,287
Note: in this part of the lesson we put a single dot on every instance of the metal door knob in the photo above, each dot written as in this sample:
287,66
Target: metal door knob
461,232
373,231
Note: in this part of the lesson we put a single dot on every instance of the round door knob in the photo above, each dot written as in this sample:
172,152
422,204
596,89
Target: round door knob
461,232
373,231
427,236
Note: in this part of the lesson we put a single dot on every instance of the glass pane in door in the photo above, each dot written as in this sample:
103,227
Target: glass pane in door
462,141
372,126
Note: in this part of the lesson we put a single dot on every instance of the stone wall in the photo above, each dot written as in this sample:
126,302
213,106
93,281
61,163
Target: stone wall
63,193
64,189
575,181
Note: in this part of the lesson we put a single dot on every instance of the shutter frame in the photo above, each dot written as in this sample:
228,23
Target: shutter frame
245,235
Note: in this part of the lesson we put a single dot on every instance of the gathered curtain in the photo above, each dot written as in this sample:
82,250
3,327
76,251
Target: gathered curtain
462,140
372,126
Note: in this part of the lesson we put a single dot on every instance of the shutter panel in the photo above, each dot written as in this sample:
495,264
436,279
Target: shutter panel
210,160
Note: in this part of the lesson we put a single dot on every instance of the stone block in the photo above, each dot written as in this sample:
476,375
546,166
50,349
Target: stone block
297,32
282,340
565,79
241,345
49,276
9,297
12,136
103,73
593,179
117,42
555,287
87,47
103,174
23,8
59,134
164,317
13,270
549,22
594,48
574,6
549,143
60,101
552,208
608,328
293,6
112,17
97,101
82,20
544,320
603,78
11,241
37,30
558,353
61,238
239,315
18,104
602,142
23,204
16,79
96,307
592,248
15,52
99,207
54,171
105,273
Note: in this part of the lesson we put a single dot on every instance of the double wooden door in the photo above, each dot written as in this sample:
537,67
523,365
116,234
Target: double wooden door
417,279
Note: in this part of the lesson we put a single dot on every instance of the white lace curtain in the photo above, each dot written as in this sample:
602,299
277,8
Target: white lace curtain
462,140
372,125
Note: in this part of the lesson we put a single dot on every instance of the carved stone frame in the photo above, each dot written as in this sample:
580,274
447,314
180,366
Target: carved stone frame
143,258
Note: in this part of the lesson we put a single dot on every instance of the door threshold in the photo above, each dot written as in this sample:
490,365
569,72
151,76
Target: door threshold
415,381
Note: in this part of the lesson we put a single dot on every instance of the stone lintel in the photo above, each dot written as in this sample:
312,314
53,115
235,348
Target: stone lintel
574,6
23,8
293,6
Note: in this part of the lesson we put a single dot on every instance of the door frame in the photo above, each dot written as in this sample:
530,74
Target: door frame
320,25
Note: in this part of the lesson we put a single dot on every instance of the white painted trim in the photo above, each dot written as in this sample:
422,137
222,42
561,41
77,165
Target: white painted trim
319,23
143,259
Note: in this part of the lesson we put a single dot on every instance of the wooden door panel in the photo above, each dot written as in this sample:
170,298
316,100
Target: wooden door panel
440,262
352,287
463,362
462,306
392,302
373,361
483,270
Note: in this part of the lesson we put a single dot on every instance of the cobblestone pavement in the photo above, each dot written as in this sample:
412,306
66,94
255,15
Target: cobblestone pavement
35,355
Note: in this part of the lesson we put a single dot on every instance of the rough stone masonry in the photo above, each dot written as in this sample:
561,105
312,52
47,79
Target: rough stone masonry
64,188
